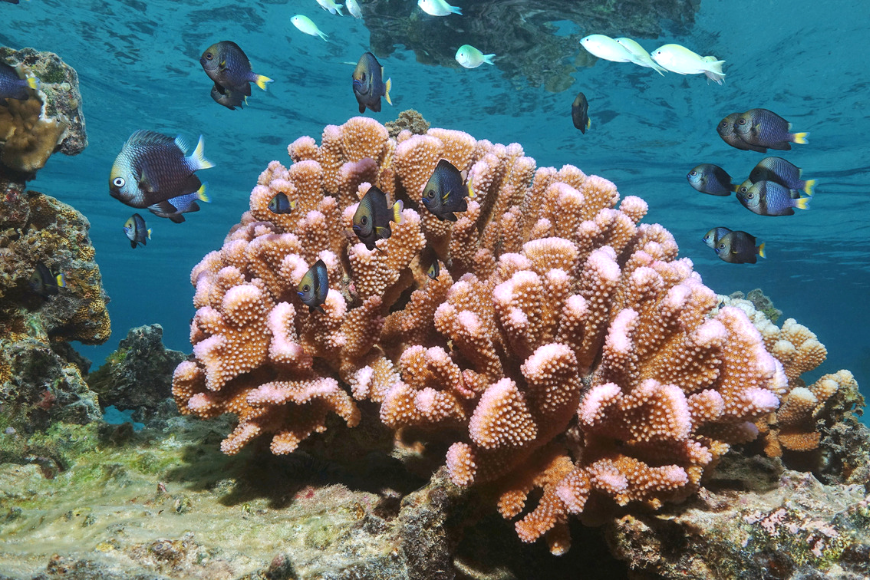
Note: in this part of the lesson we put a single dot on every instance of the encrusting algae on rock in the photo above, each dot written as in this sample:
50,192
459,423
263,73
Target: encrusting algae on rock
563,346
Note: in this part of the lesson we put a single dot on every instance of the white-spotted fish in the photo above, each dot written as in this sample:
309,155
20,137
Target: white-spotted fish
371,221
152,171
314,287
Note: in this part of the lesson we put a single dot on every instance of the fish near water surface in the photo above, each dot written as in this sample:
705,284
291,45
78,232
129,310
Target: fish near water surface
469,57
152,171
136,230
228,66
639,55
330,6
314,287
580,113
764,128
306,25
711,179
445,192
606,48
739,248
782,172
368,83
681,60
371,221
769,198
438,8
353,8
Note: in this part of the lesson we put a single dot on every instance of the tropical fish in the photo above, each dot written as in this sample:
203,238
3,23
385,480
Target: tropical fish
730,136
368,83
228,66
434,270
44,283
606,48
772,199
14,87
739,248
782,172
764,128
136,230
681,60
580,113
280,204
639,55
152,171
371,221
711,179
712,237
353,8
314,287
438,8
330,6
744,187
445,192
227,98
11,1
470,57
304,24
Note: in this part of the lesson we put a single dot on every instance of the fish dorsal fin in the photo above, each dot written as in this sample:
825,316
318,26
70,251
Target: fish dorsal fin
150,138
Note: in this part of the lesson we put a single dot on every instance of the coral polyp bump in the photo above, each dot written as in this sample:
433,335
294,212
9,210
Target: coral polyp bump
556,312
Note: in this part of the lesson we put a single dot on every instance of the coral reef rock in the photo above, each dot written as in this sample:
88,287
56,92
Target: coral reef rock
40,375
50,120
564,351
521,33
138,375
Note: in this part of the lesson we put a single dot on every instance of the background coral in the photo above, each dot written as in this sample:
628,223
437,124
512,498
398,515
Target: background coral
551,300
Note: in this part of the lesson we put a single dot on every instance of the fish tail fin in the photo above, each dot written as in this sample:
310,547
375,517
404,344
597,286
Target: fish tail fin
292,205
801,138
809,184
202,193
61,280
33,82
760,250
261,81
471,193
487,58
389,85
198,156
803,203
338,7
397,211
456,10
588,123
715,66
323,35
149,233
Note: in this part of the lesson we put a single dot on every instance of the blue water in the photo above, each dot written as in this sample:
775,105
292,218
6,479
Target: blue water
138,67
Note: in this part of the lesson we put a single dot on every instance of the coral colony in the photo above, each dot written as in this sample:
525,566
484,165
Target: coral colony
563,341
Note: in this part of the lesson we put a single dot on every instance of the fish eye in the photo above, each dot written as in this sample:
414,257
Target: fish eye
430,194
742,121
693,172
209,56
306,288
118,182
364,220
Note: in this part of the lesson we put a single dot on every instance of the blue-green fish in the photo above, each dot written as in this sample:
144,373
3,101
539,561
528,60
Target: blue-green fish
136,230
368,83
782,172
764,128
771,198
445,192
712,237
371,220
228,98
280,204
44,283
314,287
739,248
711,179
153,172
14,87
227,65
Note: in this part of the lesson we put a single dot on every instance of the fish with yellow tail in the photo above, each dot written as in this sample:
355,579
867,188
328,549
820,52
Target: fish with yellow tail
305,24
739,248
727,132
772,199
369,85
136,230
314,287
153,171
681,60
371,220
14,87
445,192
228,66
44,283
764,128
281,205
782,172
